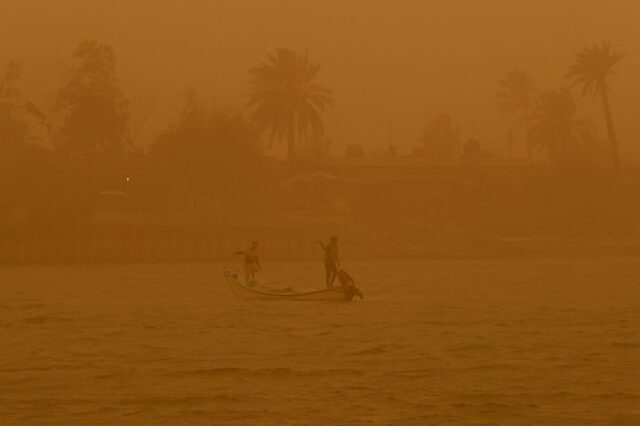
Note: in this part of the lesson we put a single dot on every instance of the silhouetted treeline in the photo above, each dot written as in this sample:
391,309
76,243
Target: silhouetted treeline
74,180
549,120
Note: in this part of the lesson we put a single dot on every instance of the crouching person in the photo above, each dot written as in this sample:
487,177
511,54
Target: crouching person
348,285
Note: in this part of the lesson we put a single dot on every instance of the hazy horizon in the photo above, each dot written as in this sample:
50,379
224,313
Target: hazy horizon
465,277
406,60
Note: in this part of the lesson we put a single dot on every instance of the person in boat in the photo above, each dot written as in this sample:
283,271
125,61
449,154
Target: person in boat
331,262
348,285
251,262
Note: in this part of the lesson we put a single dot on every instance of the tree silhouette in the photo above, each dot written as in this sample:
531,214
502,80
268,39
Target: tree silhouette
285,100
13,128
556,129
439,138
208,155
96,117
592,67
517,101
8,81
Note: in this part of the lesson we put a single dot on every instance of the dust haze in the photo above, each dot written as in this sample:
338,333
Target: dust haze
406,60
330,212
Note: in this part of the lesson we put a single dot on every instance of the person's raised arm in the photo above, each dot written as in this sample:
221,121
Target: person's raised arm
322,245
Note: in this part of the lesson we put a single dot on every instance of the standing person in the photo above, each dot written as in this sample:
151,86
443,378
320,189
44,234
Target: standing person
251,262
331,262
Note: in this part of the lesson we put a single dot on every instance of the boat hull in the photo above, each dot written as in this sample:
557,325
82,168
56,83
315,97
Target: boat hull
247,293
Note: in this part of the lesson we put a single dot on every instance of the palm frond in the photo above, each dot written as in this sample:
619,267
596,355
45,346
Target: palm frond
592,66
284,87
556,129
516,96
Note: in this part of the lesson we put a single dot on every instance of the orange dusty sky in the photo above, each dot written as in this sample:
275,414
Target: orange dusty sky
401,59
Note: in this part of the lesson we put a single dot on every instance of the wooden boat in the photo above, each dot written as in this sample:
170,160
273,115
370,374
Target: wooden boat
258,293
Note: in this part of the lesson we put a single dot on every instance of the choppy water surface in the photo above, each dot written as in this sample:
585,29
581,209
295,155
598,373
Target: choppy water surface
492,342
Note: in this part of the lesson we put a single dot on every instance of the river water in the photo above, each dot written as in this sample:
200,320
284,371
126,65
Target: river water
552,341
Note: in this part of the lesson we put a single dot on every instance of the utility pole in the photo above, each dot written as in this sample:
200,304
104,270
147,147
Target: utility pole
391,152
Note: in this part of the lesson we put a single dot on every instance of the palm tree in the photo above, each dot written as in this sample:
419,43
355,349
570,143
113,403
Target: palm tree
556,129
285,100
517,101
591,70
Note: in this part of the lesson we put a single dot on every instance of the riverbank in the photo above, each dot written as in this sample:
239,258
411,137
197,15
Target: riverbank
167,244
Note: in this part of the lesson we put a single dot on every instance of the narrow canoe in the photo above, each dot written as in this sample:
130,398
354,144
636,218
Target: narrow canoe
245,292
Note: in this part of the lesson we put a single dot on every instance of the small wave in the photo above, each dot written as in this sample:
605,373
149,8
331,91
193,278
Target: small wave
497,406
43,368
21,307
110,376
471,348
424,372
424,322
376,350
41,319
476,404
238,371
271,372
491,367
616,396
626,345
196,413
154,401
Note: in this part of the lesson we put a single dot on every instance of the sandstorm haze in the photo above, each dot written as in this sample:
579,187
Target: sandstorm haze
310,213
404,60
